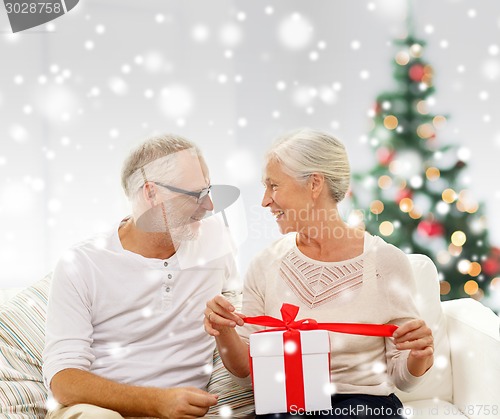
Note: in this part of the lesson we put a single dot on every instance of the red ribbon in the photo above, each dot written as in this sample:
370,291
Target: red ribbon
293,360
289,312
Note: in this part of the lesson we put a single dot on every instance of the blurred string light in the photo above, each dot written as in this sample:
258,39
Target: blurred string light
386,228
377,207
432,173
449,196
458,238
439,121
390,122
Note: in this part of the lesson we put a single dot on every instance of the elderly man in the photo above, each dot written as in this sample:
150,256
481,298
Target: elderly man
124,331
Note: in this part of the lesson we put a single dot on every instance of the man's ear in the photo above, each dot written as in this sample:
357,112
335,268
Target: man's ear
149,193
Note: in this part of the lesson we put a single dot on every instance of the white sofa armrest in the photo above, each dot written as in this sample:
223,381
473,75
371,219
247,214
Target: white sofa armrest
474,333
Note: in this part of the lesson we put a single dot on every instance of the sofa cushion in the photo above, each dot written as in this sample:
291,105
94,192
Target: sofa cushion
22,329
437,382
234,400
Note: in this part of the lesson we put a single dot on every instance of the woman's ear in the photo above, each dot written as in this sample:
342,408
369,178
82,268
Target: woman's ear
317,182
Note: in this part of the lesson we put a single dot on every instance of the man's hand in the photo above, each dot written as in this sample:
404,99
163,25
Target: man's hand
416,336
184,402
72,386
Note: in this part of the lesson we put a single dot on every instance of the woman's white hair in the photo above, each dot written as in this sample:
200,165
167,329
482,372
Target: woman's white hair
153,161
306,151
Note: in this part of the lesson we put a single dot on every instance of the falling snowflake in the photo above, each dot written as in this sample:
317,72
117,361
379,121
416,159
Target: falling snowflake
118,86
230,35
290,347
378,367
200,33
19,133
279,377
225,411
176,101
208,368
295,32
330,389
153,61
54,205
242,166
51,404
302,96
57,102
490,69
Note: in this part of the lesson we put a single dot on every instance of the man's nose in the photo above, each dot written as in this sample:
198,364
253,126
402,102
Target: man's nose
207,203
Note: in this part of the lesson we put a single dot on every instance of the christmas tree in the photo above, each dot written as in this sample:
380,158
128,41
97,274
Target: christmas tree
416,195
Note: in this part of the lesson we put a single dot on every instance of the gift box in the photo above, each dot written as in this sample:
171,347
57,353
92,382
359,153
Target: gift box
290,363
290,371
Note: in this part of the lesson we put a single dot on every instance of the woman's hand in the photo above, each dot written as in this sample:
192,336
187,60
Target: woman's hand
221,315
416,336
220,321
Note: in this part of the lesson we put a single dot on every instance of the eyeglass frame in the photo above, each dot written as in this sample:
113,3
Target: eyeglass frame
200,196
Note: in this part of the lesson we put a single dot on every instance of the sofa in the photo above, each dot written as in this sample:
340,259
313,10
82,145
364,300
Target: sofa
463,383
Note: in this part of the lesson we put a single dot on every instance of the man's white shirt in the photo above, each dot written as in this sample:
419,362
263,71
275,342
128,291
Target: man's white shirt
133,319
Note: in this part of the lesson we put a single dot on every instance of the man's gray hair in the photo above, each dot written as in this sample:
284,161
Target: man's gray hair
306,151
152,150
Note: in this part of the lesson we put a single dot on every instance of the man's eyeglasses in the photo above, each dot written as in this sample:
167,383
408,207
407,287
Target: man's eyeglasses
200,196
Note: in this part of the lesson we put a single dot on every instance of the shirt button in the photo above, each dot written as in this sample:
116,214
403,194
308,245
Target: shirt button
167,289
165,264
169,276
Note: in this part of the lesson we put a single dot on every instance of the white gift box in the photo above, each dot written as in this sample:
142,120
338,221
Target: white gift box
267,352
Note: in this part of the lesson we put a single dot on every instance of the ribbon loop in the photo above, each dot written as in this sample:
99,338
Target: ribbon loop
289,312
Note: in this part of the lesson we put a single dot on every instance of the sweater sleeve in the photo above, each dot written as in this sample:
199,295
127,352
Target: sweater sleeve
69,322
399,283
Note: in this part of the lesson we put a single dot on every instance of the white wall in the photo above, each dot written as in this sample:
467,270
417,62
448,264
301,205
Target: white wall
76,94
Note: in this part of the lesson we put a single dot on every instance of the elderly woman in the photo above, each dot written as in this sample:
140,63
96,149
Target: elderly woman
334,273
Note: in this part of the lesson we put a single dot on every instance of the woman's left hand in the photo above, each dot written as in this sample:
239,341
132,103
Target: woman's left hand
416,336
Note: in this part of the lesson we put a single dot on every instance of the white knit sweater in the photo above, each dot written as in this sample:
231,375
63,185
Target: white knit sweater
374,287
